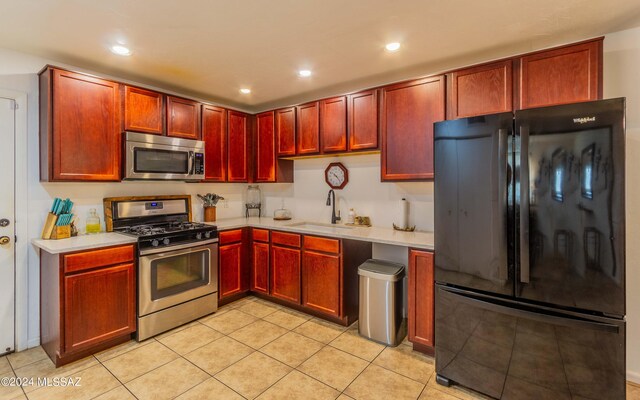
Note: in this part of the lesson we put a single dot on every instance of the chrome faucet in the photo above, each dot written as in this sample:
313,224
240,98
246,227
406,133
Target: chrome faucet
334,219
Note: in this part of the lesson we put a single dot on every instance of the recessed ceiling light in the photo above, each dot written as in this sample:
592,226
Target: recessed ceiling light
120,50
304,73
245,91
394,46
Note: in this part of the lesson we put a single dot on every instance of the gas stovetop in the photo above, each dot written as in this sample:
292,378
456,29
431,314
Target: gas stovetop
169,233
162,228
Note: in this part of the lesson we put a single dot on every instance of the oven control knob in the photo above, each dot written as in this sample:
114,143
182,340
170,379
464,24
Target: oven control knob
207,234
199,235
155,243
165,241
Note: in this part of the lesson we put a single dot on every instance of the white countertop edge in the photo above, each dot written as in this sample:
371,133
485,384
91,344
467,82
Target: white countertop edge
83,242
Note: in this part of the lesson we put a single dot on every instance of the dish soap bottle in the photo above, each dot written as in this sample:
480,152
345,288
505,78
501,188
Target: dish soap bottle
93,222
351,218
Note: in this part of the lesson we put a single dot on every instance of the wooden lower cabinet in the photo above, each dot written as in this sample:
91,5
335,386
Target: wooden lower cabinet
321,282
285,273
86,307
232,272
260,270
421,300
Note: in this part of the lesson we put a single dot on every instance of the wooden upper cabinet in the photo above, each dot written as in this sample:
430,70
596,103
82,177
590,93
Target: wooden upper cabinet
421,298
308,128
409,110
98,305
214,134
80,123
362,123
143,110
485,89
568,74
183,118
265,147
238,147
333,124
286,131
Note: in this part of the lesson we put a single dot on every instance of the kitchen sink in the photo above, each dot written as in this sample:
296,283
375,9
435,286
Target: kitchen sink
320,226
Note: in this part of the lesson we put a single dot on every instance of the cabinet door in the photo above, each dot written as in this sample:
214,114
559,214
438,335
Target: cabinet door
409,110
486,89
308,132
214,134
260,275
98,305
230,279
265,148
86,128
362,113
238,147
566,75
143,110
286,131
333,124
321,282
183,118
285,273
421,297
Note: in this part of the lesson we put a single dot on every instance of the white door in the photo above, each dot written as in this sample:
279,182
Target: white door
7,224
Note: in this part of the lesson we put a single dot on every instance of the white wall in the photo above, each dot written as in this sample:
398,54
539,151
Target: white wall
307,196
621,68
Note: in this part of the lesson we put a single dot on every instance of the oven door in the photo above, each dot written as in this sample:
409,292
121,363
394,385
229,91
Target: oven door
159,161
167,278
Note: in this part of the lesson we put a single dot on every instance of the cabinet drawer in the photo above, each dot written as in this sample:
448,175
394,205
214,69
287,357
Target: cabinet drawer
287,239
97,258
260,235
233,236
322,244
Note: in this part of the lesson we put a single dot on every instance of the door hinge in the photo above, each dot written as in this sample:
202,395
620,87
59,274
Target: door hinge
15,239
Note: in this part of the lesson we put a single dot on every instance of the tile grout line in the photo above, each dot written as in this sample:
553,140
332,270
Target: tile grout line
119,381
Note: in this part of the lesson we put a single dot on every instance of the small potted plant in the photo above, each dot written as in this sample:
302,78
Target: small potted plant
209,202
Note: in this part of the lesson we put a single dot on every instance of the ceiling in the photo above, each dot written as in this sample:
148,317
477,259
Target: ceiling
209,49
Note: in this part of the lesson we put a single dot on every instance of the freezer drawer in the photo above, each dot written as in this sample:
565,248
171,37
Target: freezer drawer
508,349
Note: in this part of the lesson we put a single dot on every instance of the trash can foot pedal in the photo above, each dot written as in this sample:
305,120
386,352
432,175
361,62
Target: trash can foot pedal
441,380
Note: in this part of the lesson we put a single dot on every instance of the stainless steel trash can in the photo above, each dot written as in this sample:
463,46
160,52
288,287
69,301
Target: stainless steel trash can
380,316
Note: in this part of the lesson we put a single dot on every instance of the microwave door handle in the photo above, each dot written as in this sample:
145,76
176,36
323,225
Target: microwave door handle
190,163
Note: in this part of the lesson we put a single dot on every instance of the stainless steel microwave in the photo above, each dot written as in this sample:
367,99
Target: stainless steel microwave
153,157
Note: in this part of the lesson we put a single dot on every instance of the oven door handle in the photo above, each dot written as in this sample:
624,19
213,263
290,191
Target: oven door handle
164,251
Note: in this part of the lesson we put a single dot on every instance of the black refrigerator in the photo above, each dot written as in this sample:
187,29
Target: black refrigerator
529,252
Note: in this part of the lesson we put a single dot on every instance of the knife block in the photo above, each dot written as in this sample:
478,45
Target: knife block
61,232
49,225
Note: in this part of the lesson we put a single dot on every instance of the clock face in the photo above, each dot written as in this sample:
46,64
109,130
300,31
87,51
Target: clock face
336,175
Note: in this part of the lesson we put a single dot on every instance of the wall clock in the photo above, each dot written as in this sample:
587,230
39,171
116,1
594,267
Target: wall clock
336,175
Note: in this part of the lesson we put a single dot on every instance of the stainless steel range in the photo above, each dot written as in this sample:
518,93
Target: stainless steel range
177,260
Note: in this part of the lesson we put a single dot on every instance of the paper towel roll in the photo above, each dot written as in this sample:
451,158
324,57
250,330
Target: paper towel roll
404,214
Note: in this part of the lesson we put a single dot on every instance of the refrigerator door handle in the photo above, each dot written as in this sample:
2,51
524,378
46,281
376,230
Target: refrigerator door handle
524,204
503,167
509,309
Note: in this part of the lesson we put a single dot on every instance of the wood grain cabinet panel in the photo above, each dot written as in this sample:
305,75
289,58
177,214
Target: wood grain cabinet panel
308,128
564,75
143,110
238,139
333,124
80,122
260,273
86,260
265,147
321,286
285,273
362,127
183,118
230,274
286,131
98,305
214,134
409,110
421,298
485,89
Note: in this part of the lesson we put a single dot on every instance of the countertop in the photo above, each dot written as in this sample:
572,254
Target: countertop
420,240
83,242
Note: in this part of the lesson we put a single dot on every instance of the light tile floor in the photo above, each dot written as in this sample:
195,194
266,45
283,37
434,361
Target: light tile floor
248,349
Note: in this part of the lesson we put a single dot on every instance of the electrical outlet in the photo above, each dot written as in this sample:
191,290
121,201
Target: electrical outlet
225,204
